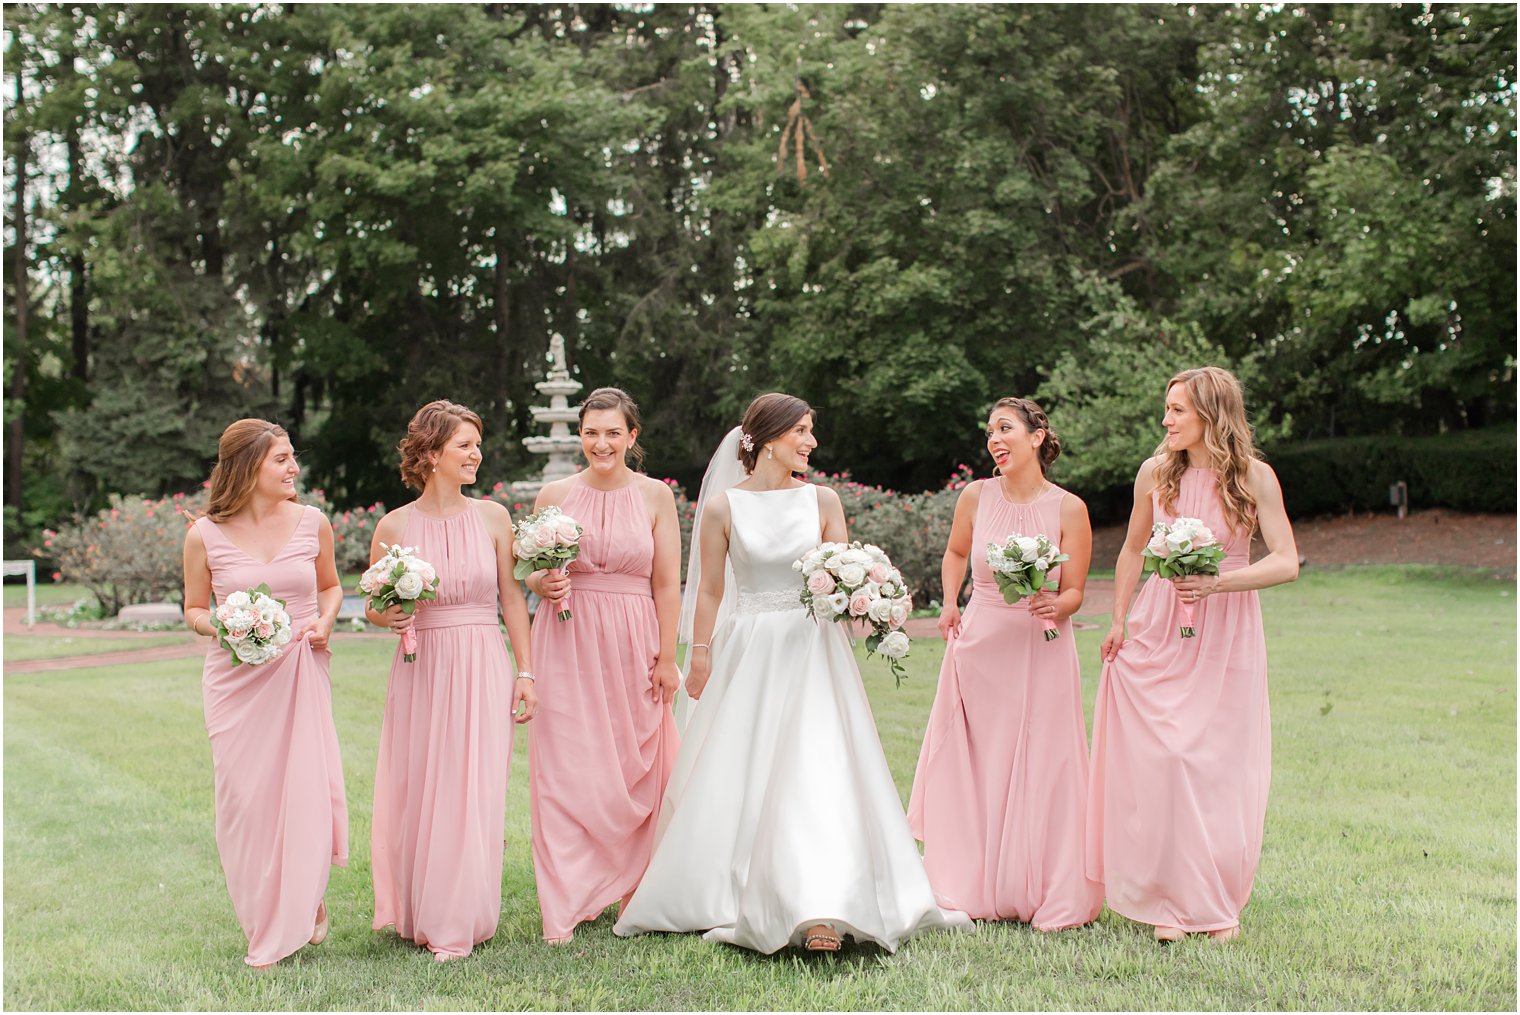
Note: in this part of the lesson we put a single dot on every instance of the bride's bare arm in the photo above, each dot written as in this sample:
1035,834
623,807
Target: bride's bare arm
830,517
714,551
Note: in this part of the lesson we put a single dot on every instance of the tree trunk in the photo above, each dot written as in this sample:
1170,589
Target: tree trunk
79,307
14,444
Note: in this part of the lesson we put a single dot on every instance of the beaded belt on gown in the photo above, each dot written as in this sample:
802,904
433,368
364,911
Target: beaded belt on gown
769,601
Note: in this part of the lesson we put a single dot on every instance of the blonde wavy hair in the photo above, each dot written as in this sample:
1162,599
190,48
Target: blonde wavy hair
1227,437
240,455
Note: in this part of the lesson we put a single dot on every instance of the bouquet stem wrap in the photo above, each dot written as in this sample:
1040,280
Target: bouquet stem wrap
1022,566
546,541
1185,547
400,578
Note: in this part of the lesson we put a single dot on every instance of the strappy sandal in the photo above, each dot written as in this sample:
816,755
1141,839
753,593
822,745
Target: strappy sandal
822,938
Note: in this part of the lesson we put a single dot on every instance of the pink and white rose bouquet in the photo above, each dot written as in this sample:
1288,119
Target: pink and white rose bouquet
252,625
400,577
850,581
1022,565
546,541
1182,548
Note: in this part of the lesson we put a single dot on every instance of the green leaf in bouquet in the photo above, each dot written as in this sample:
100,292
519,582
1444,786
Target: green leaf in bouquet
522,569
408,606
396,572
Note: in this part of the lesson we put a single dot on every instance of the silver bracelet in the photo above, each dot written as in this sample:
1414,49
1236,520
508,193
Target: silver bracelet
525,675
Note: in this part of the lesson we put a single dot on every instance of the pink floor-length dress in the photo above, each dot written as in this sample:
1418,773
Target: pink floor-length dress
281,814
601,747
1182,747
445,744
999,796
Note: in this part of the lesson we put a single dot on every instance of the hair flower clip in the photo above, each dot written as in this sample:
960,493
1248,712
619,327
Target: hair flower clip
746,441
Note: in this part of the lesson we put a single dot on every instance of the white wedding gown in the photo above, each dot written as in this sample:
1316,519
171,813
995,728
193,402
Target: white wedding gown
781,812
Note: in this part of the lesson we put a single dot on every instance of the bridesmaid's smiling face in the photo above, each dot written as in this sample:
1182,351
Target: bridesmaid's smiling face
459,458
605,440
1009,441
277,475
1184,427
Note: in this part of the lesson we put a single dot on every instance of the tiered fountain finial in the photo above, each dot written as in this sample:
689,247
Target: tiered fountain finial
561,445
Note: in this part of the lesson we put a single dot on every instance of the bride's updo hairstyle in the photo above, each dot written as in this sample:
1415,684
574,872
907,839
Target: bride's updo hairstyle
1034,418
617,398
768,417
239,455
426,435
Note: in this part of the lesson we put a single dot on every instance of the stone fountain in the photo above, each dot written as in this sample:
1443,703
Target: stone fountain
562,445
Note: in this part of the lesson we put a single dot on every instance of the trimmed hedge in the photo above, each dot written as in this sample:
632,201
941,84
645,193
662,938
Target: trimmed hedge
1468,470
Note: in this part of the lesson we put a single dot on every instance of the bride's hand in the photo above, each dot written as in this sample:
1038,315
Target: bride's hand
701,670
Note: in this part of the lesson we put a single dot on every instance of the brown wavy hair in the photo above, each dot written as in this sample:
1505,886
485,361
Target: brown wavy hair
240,454
768,417
427,433
1034,418
1227,437
617,398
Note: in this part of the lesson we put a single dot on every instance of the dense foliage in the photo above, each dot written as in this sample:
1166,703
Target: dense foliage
328,214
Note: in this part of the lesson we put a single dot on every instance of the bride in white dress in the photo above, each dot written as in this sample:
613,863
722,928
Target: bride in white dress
781,824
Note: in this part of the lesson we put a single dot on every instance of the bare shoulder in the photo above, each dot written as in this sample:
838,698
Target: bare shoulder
193,540
492,512
656,490
393,523
716,508
554,493
828,496
1262,477
1070,502
971,494
1145,479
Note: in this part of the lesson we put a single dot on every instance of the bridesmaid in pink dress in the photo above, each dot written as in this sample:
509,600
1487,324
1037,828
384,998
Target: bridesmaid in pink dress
1182,749
998,799
605,739
446,740
281,816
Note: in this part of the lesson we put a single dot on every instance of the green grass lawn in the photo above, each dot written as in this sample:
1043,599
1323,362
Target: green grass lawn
1387,879
19,647
48,593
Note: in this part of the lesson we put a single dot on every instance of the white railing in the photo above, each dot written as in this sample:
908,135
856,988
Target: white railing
28,568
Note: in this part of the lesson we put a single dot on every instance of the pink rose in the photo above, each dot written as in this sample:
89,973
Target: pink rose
820,583
265,631
879,573
1158,545
566,532
860,603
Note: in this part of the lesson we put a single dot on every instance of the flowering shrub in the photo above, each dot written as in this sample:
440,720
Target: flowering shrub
353,530
912,527
132,552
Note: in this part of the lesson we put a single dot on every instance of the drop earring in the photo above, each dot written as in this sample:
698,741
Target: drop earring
769,453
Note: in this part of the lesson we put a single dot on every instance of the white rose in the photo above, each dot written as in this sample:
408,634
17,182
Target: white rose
1203,537
238,600
248,652
1177,540
409,586
880,611
426,572
877,554
852,574
855,555
823,607
282,635
894,645
1029,548
839,602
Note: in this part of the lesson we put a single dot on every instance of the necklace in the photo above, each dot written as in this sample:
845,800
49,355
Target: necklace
1008,494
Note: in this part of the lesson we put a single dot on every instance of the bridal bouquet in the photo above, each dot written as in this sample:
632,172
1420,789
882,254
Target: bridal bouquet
548,540
252,625
848,581
1182,548
1021,565
400,576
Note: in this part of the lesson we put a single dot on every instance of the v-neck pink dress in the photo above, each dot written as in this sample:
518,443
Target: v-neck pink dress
281,814
1182,747
601,747
1000,793
445,744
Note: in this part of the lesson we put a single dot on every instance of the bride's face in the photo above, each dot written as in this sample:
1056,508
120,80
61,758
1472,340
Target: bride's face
793,448
605,440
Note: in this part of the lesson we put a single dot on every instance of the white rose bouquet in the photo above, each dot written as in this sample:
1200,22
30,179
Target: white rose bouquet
547,540
1182,548
848,581
252,625
400,577
1022,565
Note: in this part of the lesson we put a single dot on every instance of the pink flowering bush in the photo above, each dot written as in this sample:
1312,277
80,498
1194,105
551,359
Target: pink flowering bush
353,530
131,552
